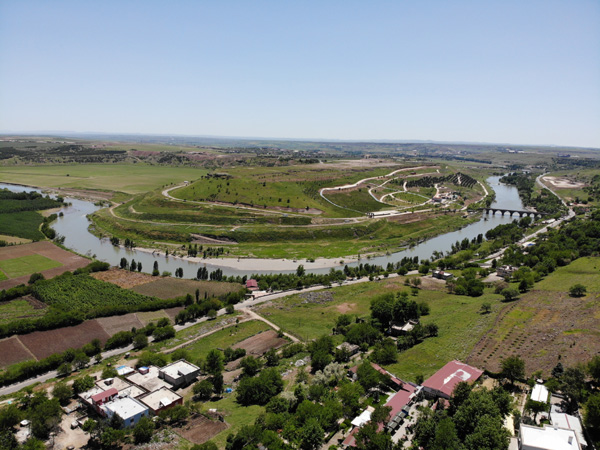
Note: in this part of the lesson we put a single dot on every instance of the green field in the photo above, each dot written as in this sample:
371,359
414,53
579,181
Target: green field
24,224
18,309
27,265
3,276
584,271
460,323
129,178
225,338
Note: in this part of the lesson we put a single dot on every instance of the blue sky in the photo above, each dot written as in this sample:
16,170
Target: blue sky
523,72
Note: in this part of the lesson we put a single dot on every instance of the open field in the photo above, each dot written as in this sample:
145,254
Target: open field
44,343
114,324
26,265
546,325
23,224
200,429
225,338
261,343
128,178
169,287
41,251
13,239
459,319
123,278
21,308
13,351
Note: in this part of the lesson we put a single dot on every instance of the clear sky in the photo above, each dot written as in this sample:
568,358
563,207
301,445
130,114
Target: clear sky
522,72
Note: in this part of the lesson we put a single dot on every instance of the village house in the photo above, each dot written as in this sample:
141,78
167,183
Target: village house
442,383
441,275
179,373
506,271
547,438
130,410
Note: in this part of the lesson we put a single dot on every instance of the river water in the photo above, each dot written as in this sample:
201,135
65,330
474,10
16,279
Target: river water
74,227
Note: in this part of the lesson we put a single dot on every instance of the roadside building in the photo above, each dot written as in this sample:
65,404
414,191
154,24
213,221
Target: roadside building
506,271
547,438
399,404
180,373
441,275
161,400
442,383
252,284
130,410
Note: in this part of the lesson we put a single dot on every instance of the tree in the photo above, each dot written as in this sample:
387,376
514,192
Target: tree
311,435
80,360
155,271
64,369
109,372
513,368
203,389
489,434
142,432
83,384
509,294
535,407
140,340
445,436
250,366
209,445
300,271
558,371
272,357
594,369
367,376
577,290
486,308
592,412
572,386
217,382
35,277
63,392
214,362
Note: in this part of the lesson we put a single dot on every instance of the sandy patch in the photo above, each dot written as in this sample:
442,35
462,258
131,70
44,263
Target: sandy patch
345,307
564,183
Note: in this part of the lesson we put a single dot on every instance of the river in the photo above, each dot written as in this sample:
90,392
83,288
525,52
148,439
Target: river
74,227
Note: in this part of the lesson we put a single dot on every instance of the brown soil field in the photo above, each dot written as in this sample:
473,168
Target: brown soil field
114,324
45,343
150,316
261,343
13,351
172,312
343,308
200,429
69,261
169,287
123,278
543,328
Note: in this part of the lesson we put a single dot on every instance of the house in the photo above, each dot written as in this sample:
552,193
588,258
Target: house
161,400
86,397
442,383
506,271
130,410
179,373
568,422
401,330
395,382
103,397
540,393
252,284
147,378
352,349
399,403
547,438
441,275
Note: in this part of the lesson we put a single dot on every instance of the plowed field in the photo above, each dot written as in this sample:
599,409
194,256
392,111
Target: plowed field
261,343
13,351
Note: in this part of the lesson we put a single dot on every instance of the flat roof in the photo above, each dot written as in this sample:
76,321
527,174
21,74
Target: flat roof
87,395
568,422
540,393
115,383
445,379
179,368
160,398
149,381
363,418
125,407
549,438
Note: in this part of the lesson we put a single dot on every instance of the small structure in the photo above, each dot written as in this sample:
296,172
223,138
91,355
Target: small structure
363,418
441,275
506,271
547,438
252,284
103,397
352,349
130,410
402,330
179,373
442,383
161,400
540,393
124,370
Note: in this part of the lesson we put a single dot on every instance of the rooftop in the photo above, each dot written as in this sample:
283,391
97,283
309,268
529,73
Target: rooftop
87,395
568,422
159,399
102,396
125,407
548,438
179,368
400,399
540,393
115,383
450,375
363,418
149,381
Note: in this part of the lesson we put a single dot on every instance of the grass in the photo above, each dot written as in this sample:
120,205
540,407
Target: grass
225,338
26,265
151,316
129,178
236,416
3,276
13,239
24,224
168,287
584,271
18,309
458,317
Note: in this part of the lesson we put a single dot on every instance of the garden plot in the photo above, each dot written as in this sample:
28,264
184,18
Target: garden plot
261,343
200,429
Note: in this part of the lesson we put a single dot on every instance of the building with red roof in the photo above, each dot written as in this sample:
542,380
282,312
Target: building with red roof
252,284
442,383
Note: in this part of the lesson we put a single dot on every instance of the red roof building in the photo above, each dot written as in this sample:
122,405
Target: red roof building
442,383
105,396
252,284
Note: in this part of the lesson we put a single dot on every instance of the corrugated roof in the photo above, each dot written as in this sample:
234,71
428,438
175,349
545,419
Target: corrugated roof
445,379
104,395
